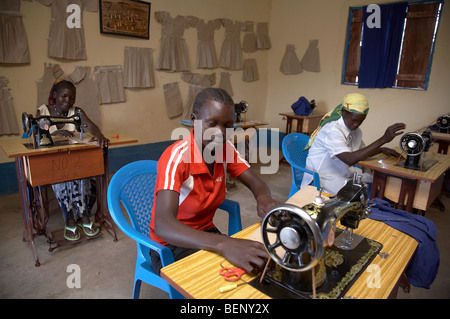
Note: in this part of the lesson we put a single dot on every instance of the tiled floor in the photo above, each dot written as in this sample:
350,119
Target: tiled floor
107,267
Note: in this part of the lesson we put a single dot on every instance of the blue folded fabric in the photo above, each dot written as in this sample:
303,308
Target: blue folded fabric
302,107
424,265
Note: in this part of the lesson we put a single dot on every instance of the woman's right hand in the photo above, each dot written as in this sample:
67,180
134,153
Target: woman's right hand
246,254
393,131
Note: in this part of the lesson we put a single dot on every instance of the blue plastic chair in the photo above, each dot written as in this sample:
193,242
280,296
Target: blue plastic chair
133,187
292,146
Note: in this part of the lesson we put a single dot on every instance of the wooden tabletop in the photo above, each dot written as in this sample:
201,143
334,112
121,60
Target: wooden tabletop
197,276
296,116
16,147
250,123
441,136
438,136
388,165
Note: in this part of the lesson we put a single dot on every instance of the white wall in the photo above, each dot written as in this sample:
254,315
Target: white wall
143,114
296,22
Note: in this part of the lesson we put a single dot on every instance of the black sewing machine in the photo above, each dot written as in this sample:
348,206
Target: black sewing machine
304,254
415,145
39,127
443,122
239,108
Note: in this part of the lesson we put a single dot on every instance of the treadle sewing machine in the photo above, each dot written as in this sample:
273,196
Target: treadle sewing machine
443,122
39,127
415,145
307,258
239,108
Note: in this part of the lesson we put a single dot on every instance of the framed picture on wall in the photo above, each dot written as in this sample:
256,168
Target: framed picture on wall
129,18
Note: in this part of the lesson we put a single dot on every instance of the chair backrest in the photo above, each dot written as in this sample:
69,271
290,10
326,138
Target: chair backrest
135,184
292,146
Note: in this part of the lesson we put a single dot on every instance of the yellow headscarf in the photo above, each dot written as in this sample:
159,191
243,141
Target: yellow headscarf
353,102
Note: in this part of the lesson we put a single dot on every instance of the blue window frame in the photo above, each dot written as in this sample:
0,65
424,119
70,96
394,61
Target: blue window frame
420,28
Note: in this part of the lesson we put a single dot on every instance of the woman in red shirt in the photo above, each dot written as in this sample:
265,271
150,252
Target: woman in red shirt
191,185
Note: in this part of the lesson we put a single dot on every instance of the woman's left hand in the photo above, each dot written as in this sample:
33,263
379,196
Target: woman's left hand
102,141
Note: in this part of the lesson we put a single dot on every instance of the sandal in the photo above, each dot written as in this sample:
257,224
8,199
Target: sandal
76,235
88,229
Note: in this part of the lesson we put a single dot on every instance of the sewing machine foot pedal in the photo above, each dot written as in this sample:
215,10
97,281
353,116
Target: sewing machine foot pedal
57,240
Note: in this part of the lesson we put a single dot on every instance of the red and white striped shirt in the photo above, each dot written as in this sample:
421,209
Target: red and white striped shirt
182,169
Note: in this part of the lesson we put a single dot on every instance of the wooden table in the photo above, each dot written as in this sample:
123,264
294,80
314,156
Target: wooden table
443,140
197,276
250,123
407,187
48,165
305,124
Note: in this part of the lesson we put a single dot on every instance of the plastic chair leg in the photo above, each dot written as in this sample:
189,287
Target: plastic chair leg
137,288
174,294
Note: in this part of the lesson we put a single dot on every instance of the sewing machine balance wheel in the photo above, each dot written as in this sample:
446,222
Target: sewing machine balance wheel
412,144
26,122
292,238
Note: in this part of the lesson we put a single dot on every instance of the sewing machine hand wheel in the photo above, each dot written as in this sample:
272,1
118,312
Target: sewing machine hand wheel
412,144
292,238
444,121
26,122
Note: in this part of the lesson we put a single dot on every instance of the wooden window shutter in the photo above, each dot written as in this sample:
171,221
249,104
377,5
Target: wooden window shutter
354,48
417,44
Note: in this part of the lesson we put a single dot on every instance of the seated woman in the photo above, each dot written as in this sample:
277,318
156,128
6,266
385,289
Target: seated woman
190,186
76,198
337,144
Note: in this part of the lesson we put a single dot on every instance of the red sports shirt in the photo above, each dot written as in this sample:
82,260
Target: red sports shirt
182,169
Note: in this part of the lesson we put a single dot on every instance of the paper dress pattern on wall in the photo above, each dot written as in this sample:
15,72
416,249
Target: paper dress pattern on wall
8,121
311,59
13,38
173,55
231,52
138,68
206,50
290,64
65,42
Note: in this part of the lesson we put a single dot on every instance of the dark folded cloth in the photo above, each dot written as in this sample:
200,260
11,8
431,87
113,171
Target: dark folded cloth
423,268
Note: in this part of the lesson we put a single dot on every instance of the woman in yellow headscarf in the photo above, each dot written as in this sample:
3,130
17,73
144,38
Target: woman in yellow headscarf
337,145
353,102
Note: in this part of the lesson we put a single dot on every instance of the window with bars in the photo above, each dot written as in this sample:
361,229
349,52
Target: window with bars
415,54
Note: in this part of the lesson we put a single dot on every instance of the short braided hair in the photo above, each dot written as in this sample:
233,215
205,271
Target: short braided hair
215,94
